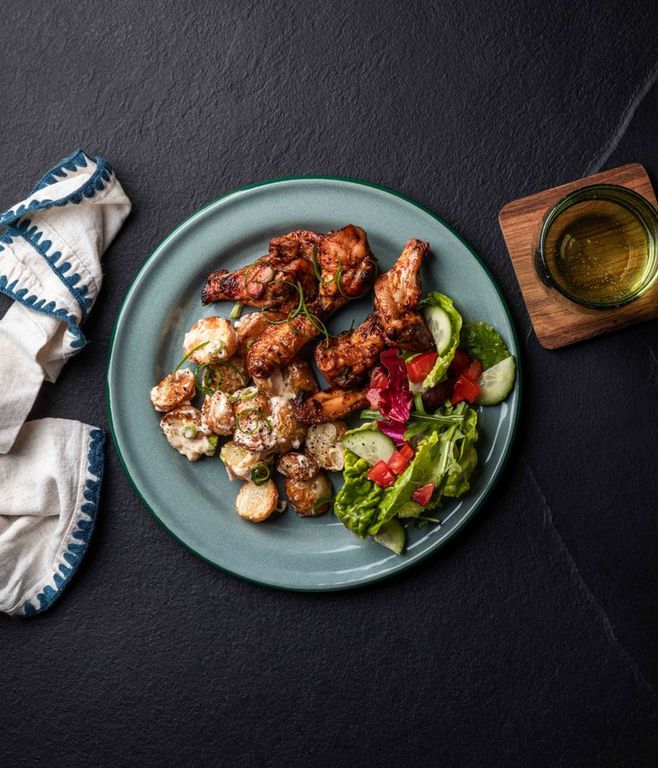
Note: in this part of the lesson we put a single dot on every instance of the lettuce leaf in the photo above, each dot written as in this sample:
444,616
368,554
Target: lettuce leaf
460,456
443,361
357,502
484,343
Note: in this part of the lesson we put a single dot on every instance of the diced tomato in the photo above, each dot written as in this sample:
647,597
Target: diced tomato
460,362
474,370
381,475
423,494
465,389
420,366
406,449
374,397
378,378
398,462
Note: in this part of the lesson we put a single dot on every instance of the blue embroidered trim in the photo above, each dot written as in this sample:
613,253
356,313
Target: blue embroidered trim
79,538
95,183
32,301
77,159
33,236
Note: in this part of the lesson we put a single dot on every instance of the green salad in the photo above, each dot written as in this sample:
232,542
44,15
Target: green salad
419,443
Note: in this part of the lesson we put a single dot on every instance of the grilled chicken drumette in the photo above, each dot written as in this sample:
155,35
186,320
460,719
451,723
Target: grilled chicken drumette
346,360
397,294
328,405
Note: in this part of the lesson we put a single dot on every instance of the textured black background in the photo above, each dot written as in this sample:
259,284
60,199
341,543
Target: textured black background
531,640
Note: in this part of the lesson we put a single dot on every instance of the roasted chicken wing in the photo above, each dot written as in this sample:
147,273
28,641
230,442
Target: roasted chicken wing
270,282
278,344
346,359
397,293
328,405
347,268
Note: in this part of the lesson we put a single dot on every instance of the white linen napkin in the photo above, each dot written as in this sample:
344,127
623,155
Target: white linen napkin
51,469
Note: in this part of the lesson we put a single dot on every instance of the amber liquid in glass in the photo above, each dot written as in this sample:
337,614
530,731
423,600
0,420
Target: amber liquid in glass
599,252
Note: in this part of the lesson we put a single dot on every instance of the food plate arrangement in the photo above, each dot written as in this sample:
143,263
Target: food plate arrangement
389,242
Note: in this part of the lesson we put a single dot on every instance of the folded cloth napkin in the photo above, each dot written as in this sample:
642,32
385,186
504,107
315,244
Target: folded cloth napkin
50,469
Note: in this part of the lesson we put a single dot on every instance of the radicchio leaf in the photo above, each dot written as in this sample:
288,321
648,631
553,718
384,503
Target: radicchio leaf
395,400
393,429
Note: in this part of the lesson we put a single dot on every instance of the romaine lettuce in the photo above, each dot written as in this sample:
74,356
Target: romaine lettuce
356,503
443,361
482,342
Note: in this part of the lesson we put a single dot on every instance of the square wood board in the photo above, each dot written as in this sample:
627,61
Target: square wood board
556,321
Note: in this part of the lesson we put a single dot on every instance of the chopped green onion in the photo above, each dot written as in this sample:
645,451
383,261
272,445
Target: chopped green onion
321,502
261,473
202,384
213,440
242,395
237,310
190,431
190,353
302,309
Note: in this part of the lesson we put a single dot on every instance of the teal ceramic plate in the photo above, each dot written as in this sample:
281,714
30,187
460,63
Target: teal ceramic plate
195,501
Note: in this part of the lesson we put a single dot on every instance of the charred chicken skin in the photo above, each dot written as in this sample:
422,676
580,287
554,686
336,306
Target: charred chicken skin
328,405
301,242
346,360
347,270
397,294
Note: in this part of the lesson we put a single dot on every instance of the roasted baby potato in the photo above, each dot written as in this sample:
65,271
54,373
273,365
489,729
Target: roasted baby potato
228,376
290,380
174,390
187,432
288,433
218,413
254,425
239,461
218,337
323,443
306,495
298,466
257,502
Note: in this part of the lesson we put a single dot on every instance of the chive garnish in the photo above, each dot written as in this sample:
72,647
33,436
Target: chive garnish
261,473
189,354
321,502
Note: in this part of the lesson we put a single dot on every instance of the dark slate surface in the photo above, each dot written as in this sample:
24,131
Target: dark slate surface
528,641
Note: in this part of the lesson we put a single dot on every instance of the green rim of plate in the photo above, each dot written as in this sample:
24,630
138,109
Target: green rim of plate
458,526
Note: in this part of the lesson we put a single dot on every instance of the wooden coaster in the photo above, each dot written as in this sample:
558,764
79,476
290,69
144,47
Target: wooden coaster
556,321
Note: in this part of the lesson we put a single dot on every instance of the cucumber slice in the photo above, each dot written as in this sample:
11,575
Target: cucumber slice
392,535
497,382
438,321
369,443
410,509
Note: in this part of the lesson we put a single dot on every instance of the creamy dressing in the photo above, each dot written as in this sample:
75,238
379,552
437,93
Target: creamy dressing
218,413
186,433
